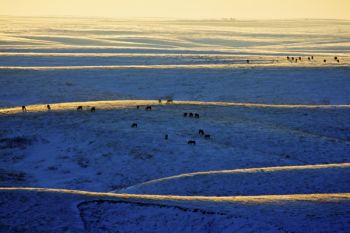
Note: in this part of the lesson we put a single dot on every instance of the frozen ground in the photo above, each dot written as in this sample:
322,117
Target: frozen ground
277,127
101,152
105,212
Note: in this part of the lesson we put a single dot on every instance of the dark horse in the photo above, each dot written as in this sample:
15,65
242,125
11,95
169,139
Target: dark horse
148,108
93,109
79,108
191,142
133,125
24,109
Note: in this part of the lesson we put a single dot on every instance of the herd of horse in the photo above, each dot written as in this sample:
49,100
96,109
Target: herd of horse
296,59
149,108
186,114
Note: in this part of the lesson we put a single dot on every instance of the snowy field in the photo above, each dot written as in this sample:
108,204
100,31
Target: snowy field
278,156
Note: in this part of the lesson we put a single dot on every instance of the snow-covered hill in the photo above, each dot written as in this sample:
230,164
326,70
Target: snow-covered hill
100,151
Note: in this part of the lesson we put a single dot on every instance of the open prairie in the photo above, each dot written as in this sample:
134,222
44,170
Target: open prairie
273,154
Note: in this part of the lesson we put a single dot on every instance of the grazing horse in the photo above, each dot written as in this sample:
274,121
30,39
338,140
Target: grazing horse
324,60
48,107
133,125
201,132
24,109
170,101
191,142
196,115
138,107
93,109
309,58
335,58
79,108
166,136
338,60
207,136
299,58
148,108
248,61
160,101
185,114
190,114
312,57
288,58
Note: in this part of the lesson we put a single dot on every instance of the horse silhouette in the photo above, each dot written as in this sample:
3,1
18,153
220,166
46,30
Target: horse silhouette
191,142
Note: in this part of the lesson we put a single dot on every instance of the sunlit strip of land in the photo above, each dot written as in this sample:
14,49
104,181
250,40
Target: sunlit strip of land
329,197
115,104
276,51
234,55
259,64
250,170
89,54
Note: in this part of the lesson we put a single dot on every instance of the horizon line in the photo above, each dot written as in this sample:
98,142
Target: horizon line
173,18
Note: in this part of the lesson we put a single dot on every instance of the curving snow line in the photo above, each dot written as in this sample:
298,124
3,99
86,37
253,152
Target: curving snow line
328,197
103,104
244,170
112,104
